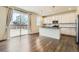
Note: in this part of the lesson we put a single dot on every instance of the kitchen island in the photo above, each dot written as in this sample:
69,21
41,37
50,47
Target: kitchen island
52,32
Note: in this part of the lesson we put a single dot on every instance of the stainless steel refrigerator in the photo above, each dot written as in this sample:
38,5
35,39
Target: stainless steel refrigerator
77,29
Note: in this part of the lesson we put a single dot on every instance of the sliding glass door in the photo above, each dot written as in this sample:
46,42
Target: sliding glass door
24,24
19,24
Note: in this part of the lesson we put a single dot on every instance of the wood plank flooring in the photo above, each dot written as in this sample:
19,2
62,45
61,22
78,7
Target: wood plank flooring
36,43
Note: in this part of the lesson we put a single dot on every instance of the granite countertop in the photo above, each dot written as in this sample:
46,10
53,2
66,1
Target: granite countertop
54,27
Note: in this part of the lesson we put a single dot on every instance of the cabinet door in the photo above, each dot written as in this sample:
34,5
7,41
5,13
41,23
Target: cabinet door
68,18
68,31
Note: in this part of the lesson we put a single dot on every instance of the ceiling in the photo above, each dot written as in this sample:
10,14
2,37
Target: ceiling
47,10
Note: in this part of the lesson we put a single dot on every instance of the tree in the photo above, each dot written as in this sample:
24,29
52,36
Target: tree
21,20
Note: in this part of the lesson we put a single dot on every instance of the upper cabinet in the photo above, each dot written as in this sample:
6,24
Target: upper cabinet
62,18
68,18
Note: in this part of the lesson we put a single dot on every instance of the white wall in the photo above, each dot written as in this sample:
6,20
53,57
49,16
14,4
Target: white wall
3,16
64,18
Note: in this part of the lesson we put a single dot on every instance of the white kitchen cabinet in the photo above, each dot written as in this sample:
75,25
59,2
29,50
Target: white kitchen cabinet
65,18
50,32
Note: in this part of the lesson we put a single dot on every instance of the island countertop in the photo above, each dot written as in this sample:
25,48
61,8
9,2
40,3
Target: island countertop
51,27
52,32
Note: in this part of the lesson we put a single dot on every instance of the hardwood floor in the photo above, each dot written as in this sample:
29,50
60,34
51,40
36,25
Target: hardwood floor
36,43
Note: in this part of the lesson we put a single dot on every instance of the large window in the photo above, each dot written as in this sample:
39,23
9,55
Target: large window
19,24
